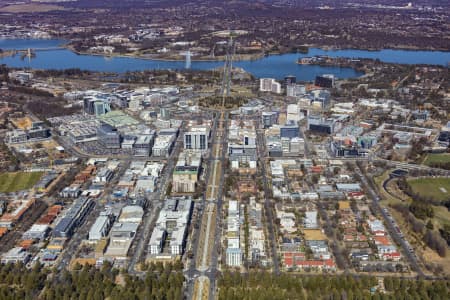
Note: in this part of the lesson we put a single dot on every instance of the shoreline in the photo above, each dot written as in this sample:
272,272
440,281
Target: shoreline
130,55
254,57
238,57
317,46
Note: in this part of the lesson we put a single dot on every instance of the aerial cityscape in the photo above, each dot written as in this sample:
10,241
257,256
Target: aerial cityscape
206,149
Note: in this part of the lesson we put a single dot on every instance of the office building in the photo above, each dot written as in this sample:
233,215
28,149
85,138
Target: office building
325,81
293,113
321,99
38,133
101,227
163,145
15,255
16,136
233,251
269,85
295,90
234,257
321,125
197,138
108,136
143,145
186,173
290,130
268,119
290,79
73,218
171,225
101,108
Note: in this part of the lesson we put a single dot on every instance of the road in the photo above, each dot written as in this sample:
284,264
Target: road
412,259
207,268
261,149
191,272
156,203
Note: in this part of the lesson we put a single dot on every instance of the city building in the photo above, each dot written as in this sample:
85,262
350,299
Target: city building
171,226
108,136
187,171
163,145
197,138
289,80
121,237
289,130
295,90
321,125
269,119
233,250
16,136
325,81
101,226
73,218
143,145
269,85
15,255
93,105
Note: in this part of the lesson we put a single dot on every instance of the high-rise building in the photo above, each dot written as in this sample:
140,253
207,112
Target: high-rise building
88,105
269,85
101,108
326,81
290,79
95,106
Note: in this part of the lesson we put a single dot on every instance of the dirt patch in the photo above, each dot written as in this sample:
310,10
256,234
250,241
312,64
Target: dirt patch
22,123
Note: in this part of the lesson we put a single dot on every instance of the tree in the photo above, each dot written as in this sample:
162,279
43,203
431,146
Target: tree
430,225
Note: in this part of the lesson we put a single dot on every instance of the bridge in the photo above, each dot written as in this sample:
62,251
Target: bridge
27,53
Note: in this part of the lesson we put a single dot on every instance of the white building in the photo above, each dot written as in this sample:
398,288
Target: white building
157,240
310,221
293,113
131,214
172,225
269,85
197,138
103,176
16,255
295,90
101,227
233,251
163,145
234,257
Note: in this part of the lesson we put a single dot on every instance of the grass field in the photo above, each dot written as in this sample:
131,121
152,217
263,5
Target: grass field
30,8
18,181
436,188
437,158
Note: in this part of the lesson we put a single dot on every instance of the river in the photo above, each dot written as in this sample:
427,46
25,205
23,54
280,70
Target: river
276,66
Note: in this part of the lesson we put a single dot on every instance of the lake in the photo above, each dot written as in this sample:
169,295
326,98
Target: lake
276,66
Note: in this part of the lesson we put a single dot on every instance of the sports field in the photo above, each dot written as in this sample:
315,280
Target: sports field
18,181
436,188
